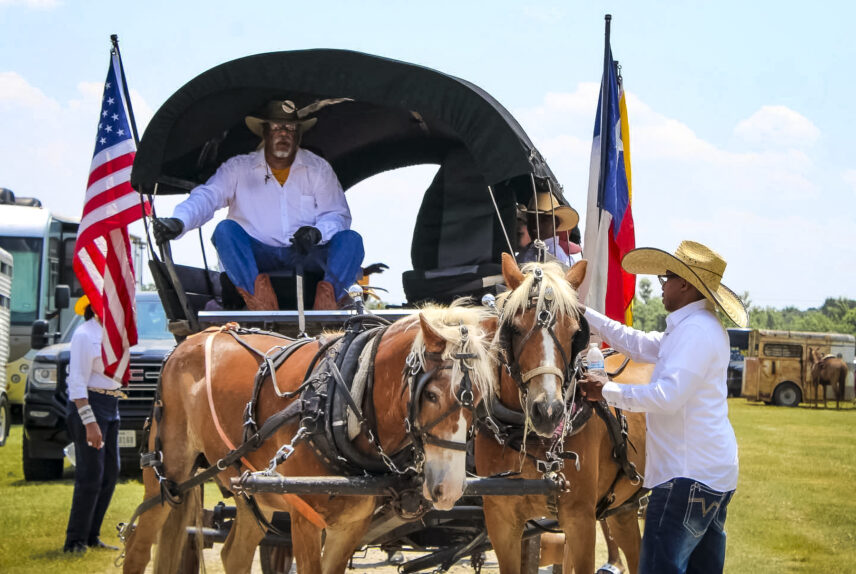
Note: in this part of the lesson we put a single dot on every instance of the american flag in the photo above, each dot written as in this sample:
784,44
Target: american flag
102,254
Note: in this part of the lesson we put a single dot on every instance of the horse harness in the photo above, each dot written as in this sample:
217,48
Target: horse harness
324,399
509,427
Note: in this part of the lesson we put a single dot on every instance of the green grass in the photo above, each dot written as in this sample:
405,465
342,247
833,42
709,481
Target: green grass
794,511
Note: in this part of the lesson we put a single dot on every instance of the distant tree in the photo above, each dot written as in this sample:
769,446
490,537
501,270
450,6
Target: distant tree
648,315
836,315
645,290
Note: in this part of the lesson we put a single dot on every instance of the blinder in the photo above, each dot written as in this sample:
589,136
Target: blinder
421,435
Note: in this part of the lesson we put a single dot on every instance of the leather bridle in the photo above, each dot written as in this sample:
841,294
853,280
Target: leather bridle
419,377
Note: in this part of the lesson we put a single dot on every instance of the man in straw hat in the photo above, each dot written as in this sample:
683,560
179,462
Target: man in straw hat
286,206
547,219
691,462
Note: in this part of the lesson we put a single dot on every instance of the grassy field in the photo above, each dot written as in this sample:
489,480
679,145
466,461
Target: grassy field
795,509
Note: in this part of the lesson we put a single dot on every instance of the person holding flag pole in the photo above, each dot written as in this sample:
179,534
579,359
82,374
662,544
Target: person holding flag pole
691,450
100,348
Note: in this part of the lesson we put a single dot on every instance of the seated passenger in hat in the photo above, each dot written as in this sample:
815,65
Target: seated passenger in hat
286,206
553,223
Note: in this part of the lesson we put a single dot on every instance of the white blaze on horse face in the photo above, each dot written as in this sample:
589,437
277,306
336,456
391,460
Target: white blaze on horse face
446,469
546,382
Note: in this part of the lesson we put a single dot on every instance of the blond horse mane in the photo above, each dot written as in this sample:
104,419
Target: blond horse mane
564,297
447,321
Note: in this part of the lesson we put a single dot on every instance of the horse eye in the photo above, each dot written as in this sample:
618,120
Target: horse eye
430,396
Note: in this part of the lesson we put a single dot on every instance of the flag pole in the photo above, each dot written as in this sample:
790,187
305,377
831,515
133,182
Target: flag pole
604,108
114,38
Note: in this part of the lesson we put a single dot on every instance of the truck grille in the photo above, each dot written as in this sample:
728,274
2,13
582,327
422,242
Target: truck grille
143,381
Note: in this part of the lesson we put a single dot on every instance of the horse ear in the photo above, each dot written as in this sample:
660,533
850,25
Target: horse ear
434,342
577,273
511,272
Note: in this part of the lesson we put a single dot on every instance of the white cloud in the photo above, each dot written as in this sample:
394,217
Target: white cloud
16,92
777,126
750,205
50,154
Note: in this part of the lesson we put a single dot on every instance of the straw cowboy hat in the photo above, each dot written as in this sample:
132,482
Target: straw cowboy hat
286,111
81,304
566,217
700,265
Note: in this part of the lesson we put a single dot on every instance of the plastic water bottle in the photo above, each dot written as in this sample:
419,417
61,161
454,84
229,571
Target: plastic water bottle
594,358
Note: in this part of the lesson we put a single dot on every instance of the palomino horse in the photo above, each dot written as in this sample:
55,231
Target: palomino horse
208,380
827,370
540,314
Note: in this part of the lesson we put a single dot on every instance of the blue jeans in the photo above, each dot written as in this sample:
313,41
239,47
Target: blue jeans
96,471
684,529
340,258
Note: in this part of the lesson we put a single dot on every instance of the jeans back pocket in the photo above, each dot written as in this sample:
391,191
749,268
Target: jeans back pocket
703,506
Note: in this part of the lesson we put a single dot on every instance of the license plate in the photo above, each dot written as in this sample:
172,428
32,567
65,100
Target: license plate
127,438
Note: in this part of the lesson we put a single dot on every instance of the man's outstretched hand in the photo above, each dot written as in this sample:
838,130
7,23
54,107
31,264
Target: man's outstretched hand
306,237
166,228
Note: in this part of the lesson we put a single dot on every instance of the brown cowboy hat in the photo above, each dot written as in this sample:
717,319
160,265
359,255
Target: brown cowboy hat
566,217
287,111
700,265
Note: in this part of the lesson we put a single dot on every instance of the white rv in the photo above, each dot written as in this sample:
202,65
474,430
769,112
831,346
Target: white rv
42,247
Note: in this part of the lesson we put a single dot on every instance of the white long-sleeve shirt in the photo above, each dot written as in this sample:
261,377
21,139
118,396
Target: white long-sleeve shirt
689,434
267,211
85,367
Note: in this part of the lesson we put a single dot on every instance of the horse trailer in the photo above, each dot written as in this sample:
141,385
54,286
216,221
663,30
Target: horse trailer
5,316
777,366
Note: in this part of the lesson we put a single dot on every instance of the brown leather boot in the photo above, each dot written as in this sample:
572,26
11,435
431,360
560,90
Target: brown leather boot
264,298
325,297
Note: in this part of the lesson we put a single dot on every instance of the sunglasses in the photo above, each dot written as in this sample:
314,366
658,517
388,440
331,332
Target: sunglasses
664,278
283,127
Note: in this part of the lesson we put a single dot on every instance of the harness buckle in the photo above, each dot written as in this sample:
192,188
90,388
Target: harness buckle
152,459
466,398
493,427
413,362
549,466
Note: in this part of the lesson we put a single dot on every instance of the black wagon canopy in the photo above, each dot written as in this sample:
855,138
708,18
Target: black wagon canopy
399,115
402,114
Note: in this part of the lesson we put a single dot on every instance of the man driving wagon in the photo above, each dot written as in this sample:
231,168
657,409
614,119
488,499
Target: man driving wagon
286,208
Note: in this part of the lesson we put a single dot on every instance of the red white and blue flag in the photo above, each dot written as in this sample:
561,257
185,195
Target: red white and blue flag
102,253
609,232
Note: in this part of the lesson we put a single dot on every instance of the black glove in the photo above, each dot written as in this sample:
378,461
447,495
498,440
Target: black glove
305,238
166,228
375,268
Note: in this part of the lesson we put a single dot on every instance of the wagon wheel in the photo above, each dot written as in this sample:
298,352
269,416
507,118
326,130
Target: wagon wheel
275,559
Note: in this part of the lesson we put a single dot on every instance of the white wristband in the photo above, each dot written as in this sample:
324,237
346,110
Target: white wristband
86,414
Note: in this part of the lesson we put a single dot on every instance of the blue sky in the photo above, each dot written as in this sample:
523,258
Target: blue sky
740,113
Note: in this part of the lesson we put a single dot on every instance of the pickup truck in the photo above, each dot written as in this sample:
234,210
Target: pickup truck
46,401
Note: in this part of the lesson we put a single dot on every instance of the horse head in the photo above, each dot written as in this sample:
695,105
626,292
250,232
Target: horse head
539,333
450,370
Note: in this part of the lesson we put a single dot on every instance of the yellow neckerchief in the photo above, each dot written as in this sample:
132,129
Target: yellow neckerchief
281,174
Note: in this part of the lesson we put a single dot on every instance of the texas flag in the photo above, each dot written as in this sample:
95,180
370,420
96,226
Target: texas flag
609,232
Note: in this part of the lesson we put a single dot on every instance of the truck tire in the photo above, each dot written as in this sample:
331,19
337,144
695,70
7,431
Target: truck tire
787,394
5,419
40,468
